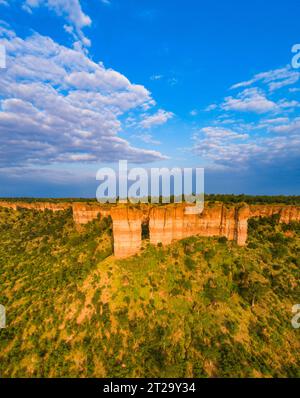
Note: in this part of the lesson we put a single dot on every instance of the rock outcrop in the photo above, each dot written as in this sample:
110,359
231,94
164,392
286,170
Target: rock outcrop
167,223
84,213
174,223
39,206
286,213
127,231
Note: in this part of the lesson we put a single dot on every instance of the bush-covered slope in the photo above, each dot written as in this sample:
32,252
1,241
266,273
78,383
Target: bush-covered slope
200,307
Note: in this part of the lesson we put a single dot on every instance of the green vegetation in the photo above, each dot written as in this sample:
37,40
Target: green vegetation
202,307
213,198
254,200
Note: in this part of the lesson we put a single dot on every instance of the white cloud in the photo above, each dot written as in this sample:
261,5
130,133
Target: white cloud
271,140
218,133
156,77
72,11
277,120
194,112
288,127
274,79
211,107
230,150
250,100
284,103
160,117
57,105
147,139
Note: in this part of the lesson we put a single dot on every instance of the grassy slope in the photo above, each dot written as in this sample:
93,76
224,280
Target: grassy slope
201,307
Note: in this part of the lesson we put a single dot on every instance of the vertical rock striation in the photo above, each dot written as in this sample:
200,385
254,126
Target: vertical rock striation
168,223
127,231
174,223
84,213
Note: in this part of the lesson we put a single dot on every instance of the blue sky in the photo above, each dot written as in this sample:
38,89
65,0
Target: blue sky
160,83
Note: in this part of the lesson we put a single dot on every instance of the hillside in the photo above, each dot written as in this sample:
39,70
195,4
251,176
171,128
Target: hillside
201,307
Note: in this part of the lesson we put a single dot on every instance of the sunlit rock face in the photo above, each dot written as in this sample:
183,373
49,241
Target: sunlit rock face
127,231
289,214
84,213
174,223
171,223
39,206
167,223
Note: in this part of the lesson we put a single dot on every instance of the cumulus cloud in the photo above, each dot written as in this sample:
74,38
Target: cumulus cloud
72,11
250,100
268,136
287,127
160,117
57,105
230,150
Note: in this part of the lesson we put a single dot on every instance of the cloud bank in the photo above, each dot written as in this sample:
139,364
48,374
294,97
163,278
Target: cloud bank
255,128
59,106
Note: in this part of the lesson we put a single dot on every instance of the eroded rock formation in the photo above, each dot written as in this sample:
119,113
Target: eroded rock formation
127,231
39,206
84,213
167,223
174,223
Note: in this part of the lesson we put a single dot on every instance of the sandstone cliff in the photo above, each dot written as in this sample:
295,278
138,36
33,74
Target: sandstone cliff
39,206
168,223
84,213
173,223
127,231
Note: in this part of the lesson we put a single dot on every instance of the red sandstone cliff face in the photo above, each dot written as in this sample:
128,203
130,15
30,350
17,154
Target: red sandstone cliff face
127,231
287,213
173,223
242,216
39,206
8,205
168,223
84,213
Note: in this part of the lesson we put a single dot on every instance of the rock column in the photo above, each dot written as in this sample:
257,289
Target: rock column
127,231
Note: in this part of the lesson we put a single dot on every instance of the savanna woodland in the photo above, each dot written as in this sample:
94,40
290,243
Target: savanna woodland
201,307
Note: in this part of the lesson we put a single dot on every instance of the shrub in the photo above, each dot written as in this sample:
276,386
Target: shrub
190,263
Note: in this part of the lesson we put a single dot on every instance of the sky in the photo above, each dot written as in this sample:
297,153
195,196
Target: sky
158,83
